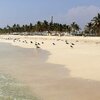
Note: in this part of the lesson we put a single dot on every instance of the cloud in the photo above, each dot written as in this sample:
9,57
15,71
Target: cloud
82,14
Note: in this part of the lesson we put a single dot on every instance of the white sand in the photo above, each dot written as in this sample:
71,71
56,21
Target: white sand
82,61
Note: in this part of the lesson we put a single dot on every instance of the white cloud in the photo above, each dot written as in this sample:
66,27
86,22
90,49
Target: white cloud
82,14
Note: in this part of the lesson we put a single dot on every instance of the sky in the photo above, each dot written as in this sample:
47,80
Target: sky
63,11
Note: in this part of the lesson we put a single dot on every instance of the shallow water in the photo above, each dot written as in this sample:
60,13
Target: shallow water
11,88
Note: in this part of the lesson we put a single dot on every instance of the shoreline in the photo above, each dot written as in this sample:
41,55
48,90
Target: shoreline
85,48
51,70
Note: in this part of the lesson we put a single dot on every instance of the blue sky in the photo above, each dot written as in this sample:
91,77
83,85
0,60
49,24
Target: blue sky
64,11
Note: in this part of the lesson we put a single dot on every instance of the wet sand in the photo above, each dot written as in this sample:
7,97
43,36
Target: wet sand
47,81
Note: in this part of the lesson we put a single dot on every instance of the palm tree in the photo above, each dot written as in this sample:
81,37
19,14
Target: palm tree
96,24
89,30
75,27
45,26
9,29
18,29
39,26
51,26
30,27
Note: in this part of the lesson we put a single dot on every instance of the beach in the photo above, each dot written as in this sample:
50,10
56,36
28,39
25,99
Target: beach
62,68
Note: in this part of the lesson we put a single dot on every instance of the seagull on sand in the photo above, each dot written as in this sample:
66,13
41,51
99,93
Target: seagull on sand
38,43
31,42
71,46
42,42
66,42
72,43
37,46
25,41
53,43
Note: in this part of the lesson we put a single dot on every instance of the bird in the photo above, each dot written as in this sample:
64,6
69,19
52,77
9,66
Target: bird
38,43
42,42
72,43
67,43
53,43
25,41
35,43
71,46
31,42
37,46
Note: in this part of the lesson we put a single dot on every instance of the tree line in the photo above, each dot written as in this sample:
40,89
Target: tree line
41,27
92,28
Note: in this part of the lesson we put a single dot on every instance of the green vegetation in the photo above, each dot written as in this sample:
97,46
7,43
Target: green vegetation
40,27
91,29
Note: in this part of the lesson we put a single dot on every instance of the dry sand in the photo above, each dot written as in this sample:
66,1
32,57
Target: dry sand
56,72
